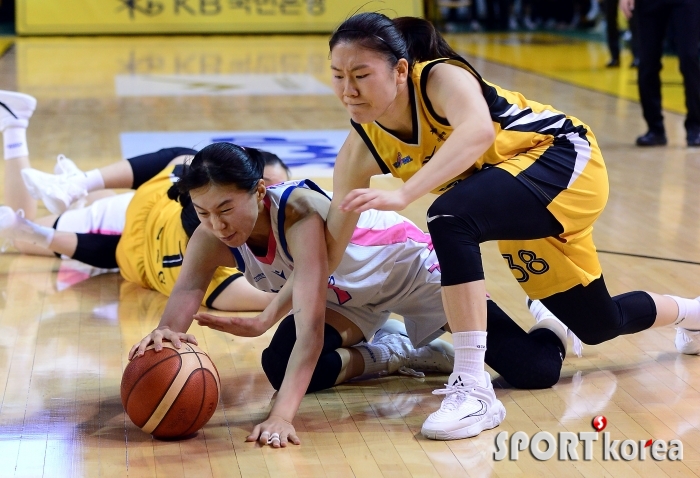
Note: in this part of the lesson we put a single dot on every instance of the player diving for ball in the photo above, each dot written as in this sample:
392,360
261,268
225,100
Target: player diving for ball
274,233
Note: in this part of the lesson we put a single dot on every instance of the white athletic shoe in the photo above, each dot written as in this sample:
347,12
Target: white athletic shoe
687,341
437,356
67,166
57,191
468,409
546,319
15,109
13,225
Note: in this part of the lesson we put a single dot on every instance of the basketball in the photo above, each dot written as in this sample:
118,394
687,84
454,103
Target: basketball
172,393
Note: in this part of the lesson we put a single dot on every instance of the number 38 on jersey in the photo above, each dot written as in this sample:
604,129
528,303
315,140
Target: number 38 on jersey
531,264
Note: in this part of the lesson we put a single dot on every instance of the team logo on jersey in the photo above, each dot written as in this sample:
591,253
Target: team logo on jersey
343,296
279,274
400,161
440,135
259,277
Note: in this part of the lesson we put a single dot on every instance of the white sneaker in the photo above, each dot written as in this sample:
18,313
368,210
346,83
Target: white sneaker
687,341
57,191
15,109
66,166
547,320
14,226
468,409
437,356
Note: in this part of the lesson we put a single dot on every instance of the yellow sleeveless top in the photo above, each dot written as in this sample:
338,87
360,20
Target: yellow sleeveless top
520,124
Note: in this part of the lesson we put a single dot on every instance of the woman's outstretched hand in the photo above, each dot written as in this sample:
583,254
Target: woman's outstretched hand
275,431
242,327
156,337
360,200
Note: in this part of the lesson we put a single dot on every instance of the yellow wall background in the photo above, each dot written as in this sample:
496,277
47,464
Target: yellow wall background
195,16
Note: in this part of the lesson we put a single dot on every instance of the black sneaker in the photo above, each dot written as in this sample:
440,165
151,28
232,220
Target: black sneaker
650,138
614,63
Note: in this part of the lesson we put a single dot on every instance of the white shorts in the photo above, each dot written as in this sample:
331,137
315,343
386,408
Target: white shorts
104,216
419,302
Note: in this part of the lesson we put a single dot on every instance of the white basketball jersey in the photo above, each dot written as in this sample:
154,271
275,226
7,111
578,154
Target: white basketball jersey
382,263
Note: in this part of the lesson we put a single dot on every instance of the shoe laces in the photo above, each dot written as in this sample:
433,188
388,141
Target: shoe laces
455,395
61,163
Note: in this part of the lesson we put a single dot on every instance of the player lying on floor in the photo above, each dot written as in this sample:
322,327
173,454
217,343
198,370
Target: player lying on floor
274,233
143,231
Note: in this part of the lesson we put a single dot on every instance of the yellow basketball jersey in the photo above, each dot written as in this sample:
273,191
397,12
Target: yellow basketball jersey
554,155
153,244
520,126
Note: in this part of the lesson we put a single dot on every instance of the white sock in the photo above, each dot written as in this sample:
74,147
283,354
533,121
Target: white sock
470,349
376,357
94,180
688,313
28,231
15,142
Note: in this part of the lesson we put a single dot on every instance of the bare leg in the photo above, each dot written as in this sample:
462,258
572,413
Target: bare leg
666,310
353,365
465,306
63,243
16,194
118,175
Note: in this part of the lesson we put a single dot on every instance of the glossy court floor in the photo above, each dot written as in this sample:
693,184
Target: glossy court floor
65,332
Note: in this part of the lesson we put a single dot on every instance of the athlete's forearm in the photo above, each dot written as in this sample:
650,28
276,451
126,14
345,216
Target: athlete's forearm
280,305
455,157
181,307
297,377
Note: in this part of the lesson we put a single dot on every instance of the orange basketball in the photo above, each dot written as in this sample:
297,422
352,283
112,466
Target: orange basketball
172,393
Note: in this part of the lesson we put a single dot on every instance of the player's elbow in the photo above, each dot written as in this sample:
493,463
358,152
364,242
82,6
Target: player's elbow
311,335
487,135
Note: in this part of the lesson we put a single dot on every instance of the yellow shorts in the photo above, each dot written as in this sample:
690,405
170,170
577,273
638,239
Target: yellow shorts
551,265
153,244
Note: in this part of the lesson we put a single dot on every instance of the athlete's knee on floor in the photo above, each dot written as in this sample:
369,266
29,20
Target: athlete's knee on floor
537,372
274,367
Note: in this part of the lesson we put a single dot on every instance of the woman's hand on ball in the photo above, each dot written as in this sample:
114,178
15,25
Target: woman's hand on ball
275,431
157,336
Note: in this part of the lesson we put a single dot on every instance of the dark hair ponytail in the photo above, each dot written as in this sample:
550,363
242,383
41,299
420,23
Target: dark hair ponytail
223,164
411,38
423,41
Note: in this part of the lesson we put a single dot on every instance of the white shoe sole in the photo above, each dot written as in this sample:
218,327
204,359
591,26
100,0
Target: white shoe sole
497,415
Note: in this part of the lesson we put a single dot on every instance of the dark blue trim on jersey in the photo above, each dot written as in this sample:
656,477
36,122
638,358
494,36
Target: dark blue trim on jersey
281,217
305,183
368,142
240,263
314,187
550,174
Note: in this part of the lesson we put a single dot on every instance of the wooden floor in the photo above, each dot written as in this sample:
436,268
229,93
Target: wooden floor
64,335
